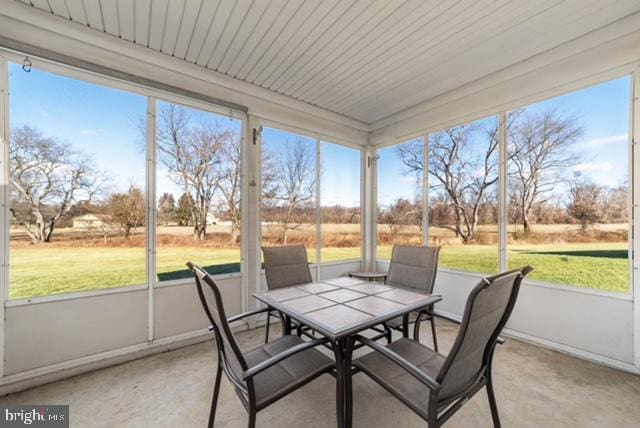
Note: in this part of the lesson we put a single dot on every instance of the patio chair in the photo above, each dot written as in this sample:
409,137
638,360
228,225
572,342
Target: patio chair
435,386
414,267
265,374
284,266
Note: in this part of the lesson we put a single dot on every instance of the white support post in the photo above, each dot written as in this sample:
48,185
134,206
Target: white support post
253,189
369,210
318,208
425,189
246,141
151,213
4,195
635,211
502,192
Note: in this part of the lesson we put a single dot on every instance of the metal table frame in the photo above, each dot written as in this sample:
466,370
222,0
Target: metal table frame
342,342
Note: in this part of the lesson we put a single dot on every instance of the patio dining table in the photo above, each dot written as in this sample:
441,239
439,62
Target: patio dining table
339,309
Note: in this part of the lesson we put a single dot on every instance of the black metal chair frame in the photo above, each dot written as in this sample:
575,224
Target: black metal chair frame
245,386
484,379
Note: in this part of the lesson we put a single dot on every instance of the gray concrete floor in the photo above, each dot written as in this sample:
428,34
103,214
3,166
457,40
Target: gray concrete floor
535,387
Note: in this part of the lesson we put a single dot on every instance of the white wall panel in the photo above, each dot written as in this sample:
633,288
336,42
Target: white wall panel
567,320
48,333
178,309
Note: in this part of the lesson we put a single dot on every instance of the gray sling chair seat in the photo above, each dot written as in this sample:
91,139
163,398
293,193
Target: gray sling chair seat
414,267
285,266
265,374
435,386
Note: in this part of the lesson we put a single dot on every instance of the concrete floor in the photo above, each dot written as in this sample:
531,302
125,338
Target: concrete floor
535,387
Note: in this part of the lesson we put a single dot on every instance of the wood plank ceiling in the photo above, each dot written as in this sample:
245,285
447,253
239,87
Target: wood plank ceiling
364,59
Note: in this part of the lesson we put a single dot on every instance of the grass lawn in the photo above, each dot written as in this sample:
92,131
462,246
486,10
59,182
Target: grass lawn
602,266
43,270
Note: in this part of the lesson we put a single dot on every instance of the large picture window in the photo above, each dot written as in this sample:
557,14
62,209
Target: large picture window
289,190
340,202
400,203
569,188
463,195
77,186
198,191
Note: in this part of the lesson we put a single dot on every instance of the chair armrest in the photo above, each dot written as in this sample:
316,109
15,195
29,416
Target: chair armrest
247,314
500,340
440,315
402,362
252,371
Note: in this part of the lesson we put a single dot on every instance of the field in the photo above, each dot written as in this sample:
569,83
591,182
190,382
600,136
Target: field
62,267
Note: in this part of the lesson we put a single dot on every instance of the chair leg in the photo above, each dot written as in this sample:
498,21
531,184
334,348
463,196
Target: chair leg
492,400
266,332
214,400
252,419
433,334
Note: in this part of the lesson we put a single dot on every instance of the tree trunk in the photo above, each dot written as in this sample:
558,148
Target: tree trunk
235,233
40,231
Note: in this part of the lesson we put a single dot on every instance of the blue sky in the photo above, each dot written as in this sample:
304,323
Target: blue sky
604,113
103,122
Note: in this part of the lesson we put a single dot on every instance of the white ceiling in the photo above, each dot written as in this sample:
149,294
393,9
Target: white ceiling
364,59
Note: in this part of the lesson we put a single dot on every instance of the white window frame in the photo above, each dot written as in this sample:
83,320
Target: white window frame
152,95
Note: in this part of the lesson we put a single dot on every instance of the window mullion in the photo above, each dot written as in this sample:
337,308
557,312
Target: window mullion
318,208
151,210
502,192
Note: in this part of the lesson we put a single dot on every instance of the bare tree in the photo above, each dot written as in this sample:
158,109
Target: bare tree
127,210
462,168
166,209
541,151
585,202
47,178
192,154
291,184
230,170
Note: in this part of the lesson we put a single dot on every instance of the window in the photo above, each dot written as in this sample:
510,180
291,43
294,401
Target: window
463,202
289,190
340,202
569,188
77,193
400,203
198,191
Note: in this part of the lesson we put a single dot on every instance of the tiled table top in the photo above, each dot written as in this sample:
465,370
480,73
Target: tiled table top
343,306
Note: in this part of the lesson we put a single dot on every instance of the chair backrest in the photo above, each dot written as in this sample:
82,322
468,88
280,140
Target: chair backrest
229,353
286,266
487,310
413,267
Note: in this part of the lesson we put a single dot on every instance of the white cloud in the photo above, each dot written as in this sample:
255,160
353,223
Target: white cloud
90,132
611,139
411,180
594,167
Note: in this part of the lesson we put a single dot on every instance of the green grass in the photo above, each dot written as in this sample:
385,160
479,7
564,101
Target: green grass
42,270
603,266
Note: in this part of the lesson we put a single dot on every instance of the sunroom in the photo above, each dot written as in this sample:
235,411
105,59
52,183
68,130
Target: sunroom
142,135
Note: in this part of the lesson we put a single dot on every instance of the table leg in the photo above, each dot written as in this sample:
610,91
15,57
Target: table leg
405,325
338,349
348,390
343,349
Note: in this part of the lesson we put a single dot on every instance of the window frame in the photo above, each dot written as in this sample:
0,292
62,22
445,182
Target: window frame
318,141
152,96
